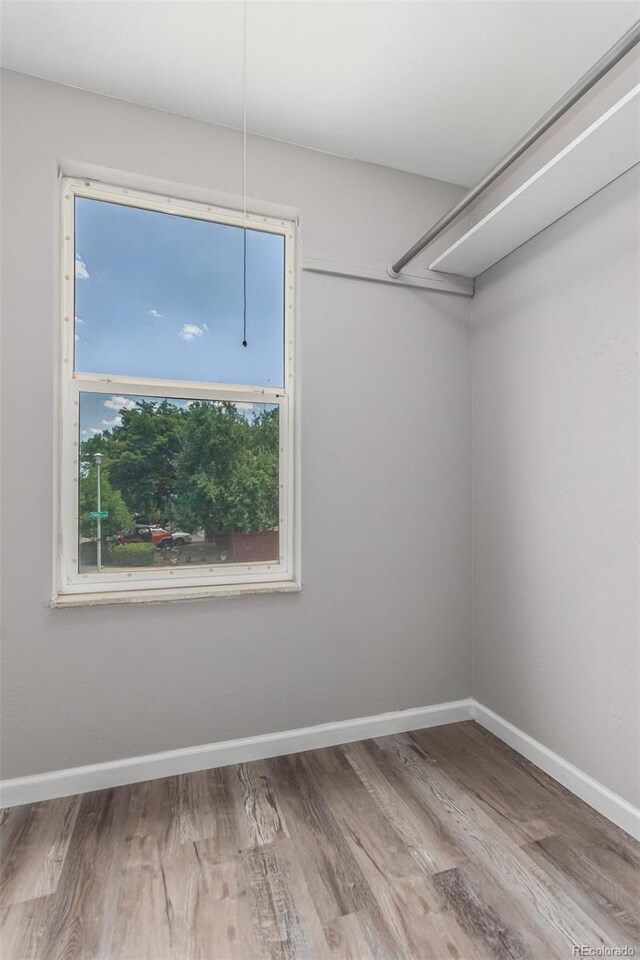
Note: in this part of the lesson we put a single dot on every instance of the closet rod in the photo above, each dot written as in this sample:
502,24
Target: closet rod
583,85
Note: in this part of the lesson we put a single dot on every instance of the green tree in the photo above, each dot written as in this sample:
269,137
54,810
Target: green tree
228,469
110,500
140,455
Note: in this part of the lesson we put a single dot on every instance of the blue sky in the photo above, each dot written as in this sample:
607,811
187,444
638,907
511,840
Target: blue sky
159,295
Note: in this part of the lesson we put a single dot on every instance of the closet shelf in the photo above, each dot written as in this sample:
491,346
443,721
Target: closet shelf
603,151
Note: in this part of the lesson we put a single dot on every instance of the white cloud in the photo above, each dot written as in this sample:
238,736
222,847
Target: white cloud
191,331
154,314
205,327
81,268
77,337
120,403
78,319
108,424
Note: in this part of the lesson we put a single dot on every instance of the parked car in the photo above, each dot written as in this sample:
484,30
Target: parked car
143,533
180,538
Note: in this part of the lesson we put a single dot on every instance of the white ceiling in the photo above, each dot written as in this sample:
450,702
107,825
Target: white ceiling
440,89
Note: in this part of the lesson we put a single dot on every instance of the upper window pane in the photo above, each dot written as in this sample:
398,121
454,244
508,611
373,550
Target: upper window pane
159,295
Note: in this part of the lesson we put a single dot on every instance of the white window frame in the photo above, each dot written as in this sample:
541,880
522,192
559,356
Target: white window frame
181,582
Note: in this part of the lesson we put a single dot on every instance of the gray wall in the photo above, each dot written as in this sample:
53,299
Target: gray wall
555,467
383,621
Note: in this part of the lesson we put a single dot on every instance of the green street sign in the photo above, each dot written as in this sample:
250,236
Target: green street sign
95,514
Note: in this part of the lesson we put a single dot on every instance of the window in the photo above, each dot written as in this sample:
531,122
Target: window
177,447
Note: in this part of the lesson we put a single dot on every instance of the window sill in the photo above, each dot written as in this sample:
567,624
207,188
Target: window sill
181,594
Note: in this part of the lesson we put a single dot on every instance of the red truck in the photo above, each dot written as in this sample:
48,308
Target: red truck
142,533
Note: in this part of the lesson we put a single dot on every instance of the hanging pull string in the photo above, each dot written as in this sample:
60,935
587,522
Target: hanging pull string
244,170
244,279
244,107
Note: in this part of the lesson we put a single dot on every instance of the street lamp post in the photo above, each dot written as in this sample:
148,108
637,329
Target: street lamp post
98,460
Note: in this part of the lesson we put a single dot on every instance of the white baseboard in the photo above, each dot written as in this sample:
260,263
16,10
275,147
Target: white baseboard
99,776
605,801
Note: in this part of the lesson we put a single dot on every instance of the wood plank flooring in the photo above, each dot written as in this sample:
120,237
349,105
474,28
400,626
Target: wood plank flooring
443,844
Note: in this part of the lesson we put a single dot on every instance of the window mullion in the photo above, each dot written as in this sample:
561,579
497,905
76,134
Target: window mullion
176,389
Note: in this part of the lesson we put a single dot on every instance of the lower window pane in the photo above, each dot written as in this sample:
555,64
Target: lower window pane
167,483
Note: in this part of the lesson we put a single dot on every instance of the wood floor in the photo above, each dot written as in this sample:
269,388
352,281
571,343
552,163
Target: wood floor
438,844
